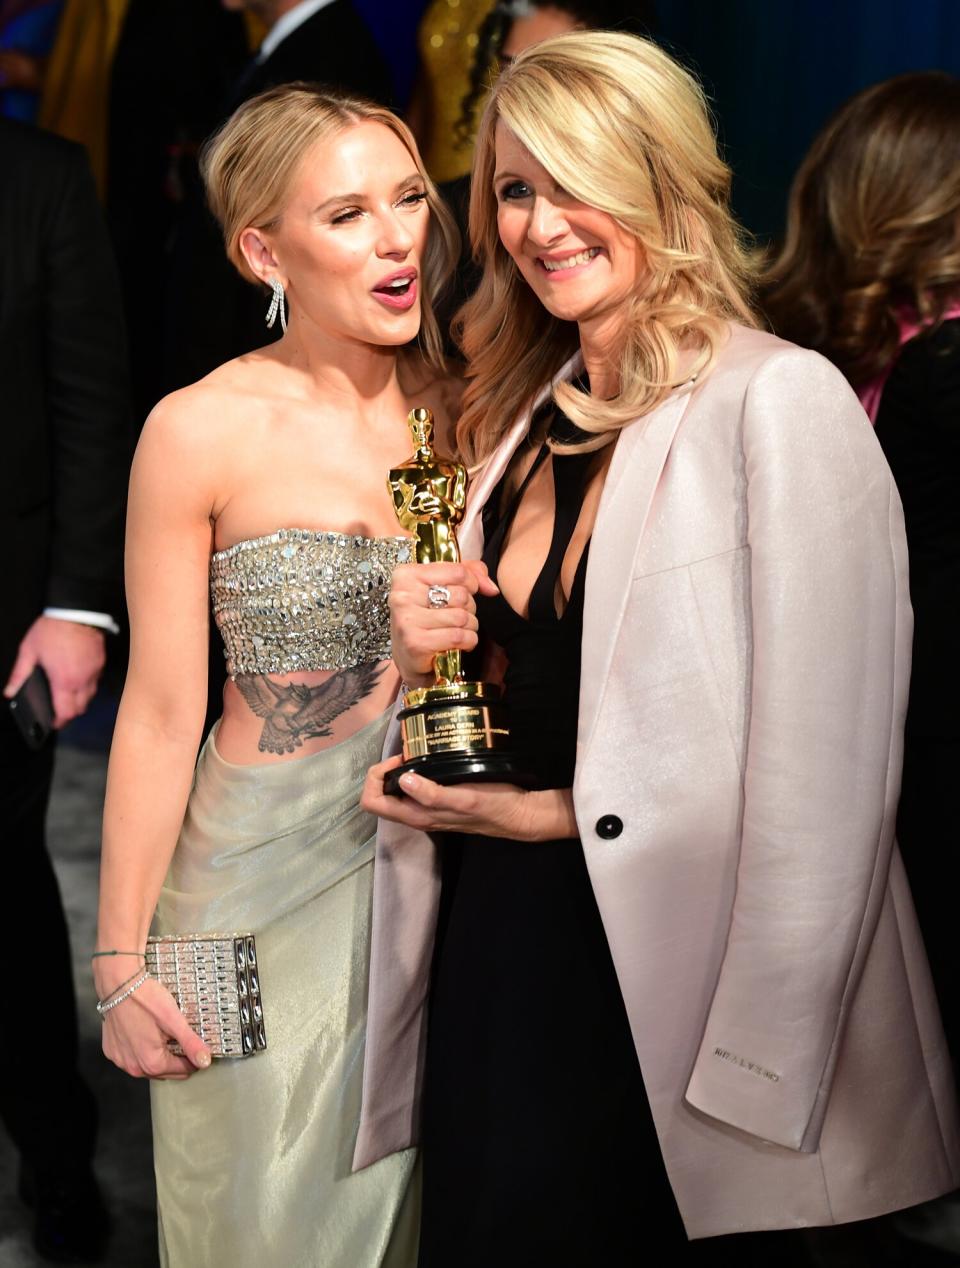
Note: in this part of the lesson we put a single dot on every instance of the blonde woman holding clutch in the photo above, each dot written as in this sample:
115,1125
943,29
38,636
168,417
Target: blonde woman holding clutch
263,484
677,987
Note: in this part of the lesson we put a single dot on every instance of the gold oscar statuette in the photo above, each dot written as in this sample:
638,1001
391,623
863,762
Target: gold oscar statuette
455,731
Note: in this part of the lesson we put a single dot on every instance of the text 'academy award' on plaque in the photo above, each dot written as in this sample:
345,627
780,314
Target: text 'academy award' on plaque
453,732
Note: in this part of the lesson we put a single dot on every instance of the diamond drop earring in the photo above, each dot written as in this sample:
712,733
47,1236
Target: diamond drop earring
277,305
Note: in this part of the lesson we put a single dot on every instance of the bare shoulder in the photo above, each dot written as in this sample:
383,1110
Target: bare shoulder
190,442
440,393
202,421
176,430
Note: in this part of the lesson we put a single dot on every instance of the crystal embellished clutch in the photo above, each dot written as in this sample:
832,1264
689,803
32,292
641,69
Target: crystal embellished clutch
215,980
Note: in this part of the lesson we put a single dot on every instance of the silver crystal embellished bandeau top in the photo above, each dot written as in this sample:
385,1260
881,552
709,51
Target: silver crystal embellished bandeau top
301,600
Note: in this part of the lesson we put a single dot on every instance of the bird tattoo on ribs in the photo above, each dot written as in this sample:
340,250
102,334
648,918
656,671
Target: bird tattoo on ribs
293,712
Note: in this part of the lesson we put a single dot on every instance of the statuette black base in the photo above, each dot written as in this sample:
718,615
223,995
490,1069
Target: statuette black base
456,733
460,768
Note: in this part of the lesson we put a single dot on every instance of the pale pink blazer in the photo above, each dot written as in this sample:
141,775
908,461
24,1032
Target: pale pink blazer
746,653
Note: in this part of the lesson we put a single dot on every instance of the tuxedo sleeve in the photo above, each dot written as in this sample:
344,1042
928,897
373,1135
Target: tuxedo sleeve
831,625
86,396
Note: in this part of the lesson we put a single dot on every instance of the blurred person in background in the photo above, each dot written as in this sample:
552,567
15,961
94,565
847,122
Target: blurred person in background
394,27
28,29
448,36
75,100
463,44
66,438
211,314
513,25
173,65
869,275
139,85
324,41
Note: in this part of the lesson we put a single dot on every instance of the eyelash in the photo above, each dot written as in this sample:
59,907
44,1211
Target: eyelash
408,200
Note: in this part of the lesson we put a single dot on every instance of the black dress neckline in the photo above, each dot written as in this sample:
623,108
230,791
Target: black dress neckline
570,473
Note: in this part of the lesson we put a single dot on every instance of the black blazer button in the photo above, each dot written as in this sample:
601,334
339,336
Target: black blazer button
609,827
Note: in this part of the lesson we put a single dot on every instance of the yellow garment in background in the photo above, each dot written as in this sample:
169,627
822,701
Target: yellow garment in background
256,29
76,92
447,39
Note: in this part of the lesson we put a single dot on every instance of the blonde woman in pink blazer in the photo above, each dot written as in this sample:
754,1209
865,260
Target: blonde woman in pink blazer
680,979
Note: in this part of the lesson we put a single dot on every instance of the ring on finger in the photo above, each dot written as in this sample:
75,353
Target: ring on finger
438,596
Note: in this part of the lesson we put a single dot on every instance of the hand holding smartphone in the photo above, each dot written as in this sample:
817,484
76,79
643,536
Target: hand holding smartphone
32,709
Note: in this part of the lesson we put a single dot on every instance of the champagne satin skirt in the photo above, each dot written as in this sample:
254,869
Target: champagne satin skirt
253,1156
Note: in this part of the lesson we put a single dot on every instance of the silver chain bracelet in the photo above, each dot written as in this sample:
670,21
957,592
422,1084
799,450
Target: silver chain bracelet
104,1006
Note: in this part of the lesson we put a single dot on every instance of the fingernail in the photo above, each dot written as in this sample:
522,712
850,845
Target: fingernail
409,780
203,1059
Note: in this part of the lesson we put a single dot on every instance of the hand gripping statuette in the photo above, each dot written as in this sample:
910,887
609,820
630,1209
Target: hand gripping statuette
455,731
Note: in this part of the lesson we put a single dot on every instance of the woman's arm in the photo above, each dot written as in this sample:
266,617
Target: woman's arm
831,624
158,726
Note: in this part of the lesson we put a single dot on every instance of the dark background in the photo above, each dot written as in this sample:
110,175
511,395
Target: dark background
775,71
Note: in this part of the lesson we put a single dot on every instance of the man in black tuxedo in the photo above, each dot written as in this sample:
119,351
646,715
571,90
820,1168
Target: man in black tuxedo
174,63
213,314
65,432
325,41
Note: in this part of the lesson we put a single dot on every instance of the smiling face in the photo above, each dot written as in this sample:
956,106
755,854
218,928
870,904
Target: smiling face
581,264
350,242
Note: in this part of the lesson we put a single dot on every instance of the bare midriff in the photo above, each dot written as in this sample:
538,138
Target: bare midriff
270,718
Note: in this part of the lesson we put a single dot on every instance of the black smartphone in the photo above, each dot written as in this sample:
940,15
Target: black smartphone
32,709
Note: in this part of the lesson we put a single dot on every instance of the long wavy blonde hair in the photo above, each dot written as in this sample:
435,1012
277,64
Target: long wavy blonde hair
622,127
873,225
249,167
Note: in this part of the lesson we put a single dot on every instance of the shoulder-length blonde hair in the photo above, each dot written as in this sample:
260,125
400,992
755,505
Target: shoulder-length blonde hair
873,224
622,127
251,163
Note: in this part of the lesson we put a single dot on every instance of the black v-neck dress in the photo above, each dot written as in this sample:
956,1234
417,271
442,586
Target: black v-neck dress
538,1145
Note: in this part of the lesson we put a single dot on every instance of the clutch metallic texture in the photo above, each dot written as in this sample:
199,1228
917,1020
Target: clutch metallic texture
216,983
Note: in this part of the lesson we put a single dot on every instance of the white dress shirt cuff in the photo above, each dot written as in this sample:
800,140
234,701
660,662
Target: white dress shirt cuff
101,620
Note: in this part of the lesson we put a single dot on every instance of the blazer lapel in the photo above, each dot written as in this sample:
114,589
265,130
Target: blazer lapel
635,471
470,535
